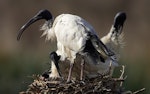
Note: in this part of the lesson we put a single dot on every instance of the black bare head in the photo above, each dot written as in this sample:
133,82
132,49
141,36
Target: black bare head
119,20
42,14
54,56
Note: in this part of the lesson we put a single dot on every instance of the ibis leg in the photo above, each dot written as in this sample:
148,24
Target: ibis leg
70,72
82,69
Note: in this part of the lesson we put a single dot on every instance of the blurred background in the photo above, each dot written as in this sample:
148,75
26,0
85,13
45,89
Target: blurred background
19,60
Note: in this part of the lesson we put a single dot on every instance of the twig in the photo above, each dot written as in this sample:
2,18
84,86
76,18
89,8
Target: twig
138,91
122,73
110,67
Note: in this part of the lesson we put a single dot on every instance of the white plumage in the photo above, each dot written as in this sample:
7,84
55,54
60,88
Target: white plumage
73,35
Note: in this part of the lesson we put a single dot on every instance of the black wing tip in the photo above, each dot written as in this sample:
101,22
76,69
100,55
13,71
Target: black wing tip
121,16
119,19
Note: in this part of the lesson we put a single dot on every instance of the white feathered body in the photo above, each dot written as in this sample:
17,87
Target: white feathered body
76,37
70,31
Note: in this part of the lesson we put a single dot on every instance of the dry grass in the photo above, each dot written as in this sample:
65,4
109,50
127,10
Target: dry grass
102,84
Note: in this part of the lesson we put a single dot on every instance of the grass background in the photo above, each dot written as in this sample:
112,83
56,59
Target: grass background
19,60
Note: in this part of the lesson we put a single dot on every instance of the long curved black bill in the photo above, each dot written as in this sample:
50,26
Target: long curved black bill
119,21
42,14
31,21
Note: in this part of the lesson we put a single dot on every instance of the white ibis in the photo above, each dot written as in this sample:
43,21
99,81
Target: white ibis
74,36
114,42
114,39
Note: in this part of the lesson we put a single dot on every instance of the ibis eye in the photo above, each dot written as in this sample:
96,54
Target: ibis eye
113,32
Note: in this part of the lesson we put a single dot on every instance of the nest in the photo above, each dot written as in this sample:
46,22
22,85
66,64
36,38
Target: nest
101,84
